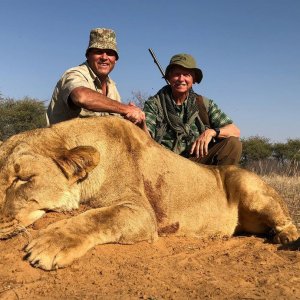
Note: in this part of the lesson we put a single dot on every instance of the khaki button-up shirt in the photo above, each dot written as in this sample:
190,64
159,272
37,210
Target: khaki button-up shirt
60,109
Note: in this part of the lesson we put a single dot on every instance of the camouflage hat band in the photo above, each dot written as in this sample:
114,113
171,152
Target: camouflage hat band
185,61
103,38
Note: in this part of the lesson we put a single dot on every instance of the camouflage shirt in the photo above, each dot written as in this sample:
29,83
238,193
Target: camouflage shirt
216,117
59,108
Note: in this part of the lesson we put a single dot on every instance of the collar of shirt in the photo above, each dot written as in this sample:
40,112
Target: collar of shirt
181,107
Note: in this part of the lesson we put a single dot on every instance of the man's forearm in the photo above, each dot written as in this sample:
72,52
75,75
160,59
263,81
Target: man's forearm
94,101
229,130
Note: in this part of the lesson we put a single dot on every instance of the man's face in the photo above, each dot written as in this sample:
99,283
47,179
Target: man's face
181,79
101,61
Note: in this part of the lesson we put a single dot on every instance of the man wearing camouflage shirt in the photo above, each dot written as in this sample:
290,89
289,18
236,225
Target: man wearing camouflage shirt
189,124
87,90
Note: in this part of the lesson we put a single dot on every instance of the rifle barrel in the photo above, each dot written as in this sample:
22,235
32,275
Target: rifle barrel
158,64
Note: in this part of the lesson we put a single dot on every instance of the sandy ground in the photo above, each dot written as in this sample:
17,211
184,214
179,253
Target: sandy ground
171,268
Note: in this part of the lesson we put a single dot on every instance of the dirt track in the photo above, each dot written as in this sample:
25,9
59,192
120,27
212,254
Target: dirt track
171,268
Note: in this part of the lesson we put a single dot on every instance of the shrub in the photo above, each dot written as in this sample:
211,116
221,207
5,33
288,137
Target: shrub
20,115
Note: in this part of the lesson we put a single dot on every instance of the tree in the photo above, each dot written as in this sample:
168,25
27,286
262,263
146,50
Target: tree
256,148
280,152
20,115
293,149
289,151
139,98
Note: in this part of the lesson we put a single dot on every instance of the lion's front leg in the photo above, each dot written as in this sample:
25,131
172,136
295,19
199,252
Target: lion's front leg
261,210
62,242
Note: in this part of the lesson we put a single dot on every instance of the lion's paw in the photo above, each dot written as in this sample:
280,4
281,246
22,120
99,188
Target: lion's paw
287,235
53,250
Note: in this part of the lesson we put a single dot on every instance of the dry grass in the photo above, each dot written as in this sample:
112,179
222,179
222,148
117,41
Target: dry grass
289,188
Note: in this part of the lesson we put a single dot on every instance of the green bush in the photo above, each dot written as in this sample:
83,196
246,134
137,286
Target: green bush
256,148
20,115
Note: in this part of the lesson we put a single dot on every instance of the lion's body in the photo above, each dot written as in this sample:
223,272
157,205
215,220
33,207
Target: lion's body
136,190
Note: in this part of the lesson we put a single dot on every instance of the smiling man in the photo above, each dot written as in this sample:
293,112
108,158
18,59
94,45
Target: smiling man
87,90
189,124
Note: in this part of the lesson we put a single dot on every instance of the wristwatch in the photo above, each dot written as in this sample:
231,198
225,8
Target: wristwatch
217,130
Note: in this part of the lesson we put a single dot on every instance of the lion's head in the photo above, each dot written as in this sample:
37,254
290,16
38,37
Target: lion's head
33,181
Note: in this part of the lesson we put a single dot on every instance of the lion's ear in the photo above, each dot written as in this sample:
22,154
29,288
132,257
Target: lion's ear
76,163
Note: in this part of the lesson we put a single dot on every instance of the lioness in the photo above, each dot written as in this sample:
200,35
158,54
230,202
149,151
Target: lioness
136,190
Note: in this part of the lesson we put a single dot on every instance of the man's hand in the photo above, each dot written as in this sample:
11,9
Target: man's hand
134,114
200,146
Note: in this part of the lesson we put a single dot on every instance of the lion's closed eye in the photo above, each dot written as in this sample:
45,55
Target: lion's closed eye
21,175
21,180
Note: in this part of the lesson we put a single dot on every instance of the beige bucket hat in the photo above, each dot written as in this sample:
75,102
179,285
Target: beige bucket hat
103,38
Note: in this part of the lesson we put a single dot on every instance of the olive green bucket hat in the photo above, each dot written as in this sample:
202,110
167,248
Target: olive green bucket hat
187,61
103,38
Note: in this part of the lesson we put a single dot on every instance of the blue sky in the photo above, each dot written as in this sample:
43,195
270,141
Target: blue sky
248,50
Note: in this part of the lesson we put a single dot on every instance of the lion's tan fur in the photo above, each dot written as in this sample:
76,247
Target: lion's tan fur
136,190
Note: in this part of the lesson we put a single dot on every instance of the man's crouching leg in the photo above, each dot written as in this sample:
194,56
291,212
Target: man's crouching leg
223,152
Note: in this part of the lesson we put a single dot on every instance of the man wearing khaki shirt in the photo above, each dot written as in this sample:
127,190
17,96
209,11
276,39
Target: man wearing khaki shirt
87,90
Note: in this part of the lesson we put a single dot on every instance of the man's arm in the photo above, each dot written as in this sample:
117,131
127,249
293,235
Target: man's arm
200,146
94,101
218,119
227,131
